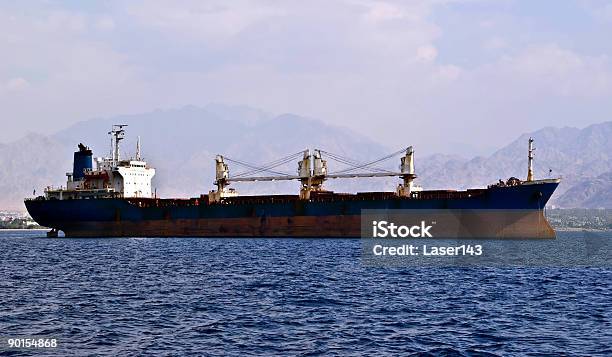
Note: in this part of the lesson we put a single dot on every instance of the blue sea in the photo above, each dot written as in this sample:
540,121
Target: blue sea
131,296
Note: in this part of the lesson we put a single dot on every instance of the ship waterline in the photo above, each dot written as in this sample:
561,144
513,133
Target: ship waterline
288,216
115,199
491,225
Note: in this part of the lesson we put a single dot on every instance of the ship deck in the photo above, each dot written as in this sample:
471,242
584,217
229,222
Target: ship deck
325,196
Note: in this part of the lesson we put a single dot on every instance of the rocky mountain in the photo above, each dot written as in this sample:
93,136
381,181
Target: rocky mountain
182,144
32,162
577,155
590,192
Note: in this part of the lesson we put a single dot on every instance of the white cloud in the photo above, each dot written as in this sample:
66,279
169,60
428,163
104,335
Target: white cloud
606,12
600,11
542,85
198,20
382,11
105,23
449,72
494,43
61,21
16,84
556,71
426,53
75,76
373,65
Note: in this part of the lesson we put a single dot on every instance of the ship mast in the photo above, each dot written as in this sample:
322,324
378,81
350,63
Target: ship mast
221,178
305,175
117,134
530,161
407,173
138,149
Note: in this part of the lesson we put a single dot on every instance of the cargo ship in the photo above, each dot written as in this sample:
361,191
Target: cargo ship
114,198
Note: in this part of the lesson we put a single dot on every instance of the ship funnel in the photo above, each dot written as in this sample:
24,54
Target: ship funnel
83,160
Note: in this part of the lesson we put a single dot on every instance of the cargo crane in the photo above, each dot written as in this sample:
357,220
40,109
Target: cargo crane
312,172
115,200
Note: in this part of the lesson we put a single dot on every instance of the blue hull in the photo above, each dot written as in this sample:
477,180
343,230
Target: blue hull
328,215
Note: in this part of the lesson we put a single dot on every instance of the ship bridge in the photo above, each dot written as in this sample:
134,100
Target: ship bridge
111,177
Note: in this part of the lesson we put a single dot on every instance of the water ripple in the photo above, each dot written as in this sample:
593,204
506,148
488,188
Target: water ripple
288,297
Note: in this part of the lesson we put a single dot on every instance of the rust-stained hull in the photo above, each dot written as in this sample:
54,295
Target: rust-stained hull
503,224
499,212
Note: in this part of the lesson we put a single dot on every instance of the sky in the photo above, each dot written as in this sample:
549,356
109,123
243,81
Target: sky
462,76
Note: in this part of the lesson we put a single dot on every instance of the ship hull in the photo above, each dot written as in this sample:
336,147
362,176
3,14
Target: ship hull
490,224
497,212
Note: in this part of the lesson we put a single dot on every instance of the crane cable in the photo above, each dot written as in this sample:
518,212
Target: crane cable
353,163
364,165
347,161
266,167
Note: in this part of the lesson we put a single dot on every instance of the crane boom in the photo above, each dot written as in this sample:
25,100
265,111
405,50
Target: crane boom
287,178
263,178
312,172
373,174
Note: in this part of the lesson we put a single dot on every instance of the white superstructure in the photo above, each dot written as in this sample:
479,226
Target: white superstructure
111,177
133,178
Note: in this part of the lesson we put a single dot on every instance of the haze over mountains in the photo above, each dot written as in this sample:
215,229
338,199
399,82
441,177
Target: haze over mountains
182,143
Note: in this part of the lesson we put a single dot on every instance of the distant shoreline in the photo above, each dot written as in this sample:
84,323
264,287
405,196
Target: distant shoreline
556,230
24,229
566,229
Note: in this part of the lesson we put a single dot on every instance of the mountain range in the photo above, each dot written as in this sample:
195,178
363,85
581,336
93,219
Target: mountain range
182,143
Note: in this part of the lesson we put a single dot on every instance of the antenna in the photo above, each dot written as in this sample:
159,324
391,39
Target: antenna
138,149
117,134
